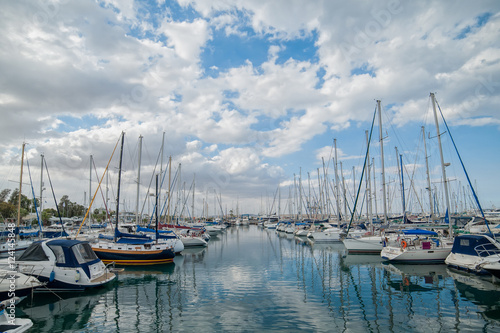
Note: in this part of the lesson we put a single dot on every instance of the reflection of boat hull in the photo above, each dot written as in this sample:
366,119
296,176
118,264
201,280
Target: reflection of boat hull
132,256
361,259
418,270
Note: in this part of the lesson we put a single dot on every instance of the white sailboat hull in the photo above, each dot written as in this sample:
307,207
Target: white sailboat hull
368,244
416,255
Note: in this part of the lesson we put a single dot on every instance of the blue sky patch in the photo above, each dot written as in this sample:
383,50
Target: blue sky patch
303,49
75,123
481,20
225,52
364,69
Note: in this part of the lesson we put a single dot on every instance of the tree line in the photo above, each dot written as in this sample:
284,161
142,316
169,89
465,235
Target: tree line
9,202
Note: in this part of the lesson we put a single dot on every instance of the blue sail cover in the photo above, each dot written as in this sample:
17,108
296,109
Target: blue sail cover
120,234
165,234
421,232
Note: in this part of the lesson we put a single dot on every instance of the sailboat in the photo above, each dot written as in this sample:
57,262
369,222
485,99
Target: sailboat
132,249
13,244
369,244
424,246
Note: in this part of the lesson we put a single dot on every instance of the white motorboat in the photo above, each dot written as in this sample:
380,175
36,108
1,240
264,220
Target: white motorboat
479,254
64,264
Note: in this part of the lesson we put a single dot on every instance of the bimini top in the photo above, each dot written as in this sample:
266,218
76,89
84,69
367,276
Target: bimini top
68,252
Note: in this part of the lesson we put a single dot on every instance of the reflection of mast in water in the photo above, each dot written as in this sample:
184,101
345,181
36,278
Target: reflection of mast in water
347,269
320,268
144,285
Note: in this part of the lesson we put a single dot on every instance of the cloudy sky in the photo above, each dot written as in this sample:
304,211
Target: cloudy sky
248,95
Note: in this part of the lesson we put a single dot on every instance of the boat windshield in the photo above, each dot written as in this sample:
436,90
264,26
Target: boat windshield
84,253
59,253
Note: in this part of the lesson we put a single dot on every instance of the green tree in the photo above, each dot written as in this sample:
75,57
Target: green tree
47,213
4,194
8,210
70,209
25,202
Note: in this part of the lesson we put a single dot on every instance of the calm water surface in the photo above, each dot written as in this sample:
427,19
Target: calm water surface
253,280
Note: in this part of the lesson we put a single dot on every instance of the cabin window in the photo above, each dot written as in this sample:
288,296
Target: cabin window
58,251
464,242
84,253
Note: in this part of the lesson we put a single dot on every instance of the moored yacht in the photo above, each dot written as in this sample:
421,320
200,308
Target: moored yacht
479,254
64,264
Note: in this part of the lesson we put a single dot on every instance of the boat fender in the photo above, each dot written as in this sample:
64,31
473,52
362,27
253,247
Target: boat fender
404,244
77,276
52,276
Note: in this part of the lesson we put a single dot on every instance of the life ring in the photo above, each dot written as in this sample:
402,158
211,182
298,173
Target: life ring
404,244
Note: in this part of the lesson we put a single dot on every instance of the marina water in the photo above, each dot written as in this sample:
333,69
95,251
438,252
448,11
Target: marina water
251,279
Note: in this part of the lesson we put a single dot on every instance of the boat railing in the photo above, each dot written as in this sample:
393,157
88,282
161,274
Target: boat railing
486,250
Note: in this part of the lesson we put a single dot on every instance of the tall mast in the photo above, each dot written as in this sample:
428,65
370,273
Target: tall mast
337,181
300,194
320,193
20,186
41,185
343,191
139,181
443,165
400,173
161,168
319,204
90,187
325,188
309,205
107,194
279,201
381,138
367,180
429,191
192,207
169,188
374,188
156,210
295,196
179,193
118,190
